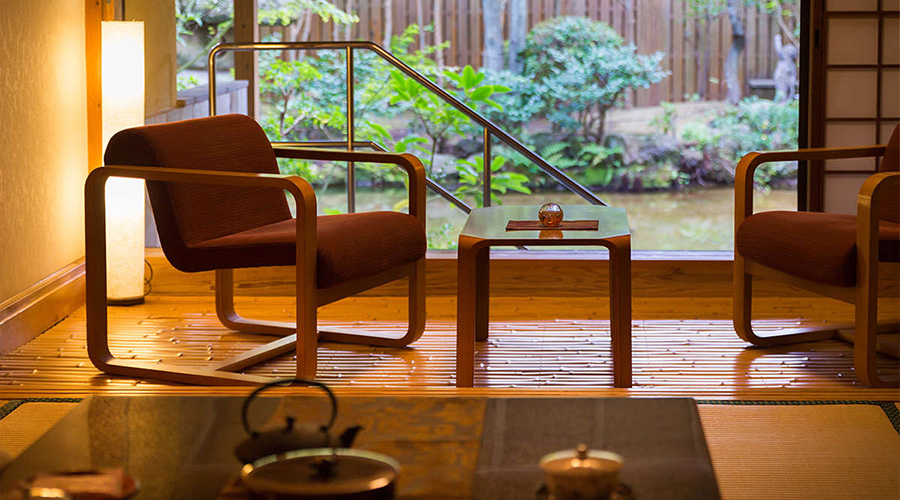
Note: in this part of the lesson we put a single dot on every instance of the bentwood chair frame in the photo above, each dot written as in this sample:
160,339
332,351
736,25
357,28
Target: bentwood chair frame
301,336
864,295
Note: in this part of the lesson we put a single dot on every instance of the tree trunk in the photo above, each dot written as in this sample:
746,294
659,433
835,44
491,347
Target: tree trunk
518,30
420,20
439,38
629,37
348,26
794,15
492,57
738,40
703,74
388,24
695,48
293,31
307,26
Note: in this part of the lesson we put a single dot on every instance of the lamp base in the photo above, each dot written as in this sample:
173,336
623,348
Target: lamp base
125,302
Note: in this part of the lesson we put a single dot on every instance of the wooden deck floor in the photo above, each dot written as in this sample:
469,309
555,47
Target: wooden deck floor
527,354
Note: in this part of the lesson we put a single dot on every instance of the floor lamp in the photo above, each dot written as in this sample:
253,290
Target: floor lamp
122,63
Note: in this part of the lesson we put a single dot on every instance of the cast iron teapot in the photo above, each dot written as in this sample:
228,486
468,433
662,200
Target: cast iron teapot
293,436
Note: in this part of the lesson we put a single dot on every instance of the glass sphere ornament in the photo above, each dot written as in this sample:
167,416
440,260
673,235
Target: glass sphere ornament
550,215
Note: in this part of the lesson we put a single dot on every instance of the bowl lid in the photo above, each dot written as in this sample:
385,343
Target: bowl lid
581,460
320,471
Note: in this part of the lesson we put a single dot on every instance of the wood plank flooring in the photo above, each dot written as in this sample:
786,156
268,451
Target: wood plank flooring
528,354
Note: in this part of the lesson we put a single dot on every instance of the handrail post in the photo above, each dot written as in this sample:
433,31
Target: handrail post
486,171
351,170
211,69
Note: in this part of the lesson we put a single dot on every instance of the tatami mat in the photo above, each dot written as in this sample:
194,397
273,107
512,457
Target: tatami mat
26,424
803,451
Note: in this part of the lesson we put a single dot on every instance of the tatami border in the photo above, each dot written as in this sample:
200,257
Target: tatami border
888,407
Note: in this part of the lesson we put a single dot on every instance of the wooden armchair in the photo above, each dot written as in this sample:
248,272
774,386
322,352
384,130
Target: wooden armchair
829,254
219,205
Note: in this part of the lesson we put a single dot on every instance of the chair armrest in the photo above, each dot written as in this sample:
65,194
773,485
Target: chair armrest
300,189
869,204
743,175
95,202
412,165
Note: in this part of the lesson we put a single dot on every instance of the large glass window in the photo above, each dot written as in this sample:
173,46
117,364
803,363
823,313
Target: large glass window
650,105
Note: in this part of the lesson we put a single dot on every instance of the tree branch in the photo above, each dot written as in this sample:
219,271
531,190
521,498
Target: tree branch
787,30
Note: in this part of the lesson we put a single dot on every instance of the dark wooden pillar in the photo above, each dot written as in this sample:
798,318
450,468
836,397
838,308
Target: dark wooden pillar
95,11
246,64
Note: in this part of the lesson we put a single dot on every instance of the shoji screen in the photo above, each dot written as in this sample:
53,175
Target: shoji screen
861,94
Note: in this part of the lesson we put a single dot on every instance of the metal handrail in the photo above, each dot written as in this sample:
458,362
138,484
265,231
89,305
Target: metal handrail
490,129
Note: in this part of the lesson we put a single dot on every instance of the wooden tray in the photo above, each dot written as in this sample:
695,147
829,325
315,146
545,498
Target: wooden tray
534,225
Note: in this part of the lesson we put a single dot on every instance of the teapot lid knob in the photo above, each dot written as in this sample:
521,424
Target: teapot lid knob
581,452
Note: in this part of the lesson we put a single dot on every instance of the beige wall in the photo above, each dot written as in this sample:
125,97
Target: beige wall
43,139
159,51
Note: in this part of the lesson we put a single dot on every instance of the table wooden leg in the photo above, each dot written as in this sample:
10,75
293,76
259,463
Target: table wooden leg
467,279
620,309
482,293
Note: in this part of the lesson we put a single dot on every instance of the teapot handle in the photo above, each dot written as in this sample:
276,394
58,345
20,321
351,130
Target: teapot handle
262,388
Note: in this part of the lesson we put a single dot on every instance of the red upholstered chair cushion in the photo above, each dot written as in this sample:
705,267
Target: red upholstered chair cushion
816,246
349,246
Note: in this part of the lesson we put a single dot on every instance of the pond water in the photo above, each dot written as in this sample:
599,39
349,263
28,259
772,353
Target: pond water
690,219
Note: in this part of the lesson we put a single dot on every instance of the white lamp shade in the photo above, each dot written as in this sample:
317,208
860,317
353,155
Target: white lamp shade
122,66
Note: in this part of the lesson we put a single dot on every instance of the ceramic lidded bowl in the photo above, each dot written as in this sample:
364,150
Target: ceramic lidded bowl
581,473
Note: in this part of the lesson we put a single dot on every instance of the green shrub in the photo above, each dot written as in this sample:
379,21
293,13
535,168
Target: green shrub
582,68
186,82
304,99
438,119
521,104
655,177
470,180
666,122
591,164
760,125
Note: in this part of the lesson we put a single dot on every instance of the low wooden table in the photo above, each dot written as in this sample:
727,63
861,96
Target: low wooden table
486,227
449,448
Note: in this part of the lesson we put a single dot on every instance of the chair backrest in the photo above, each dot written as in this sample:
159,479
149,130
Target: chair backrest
187,214
890,162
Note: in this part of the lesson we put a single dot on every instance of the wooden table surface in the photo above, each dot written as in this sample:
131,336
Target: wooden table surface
449,448
486,227
490,224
